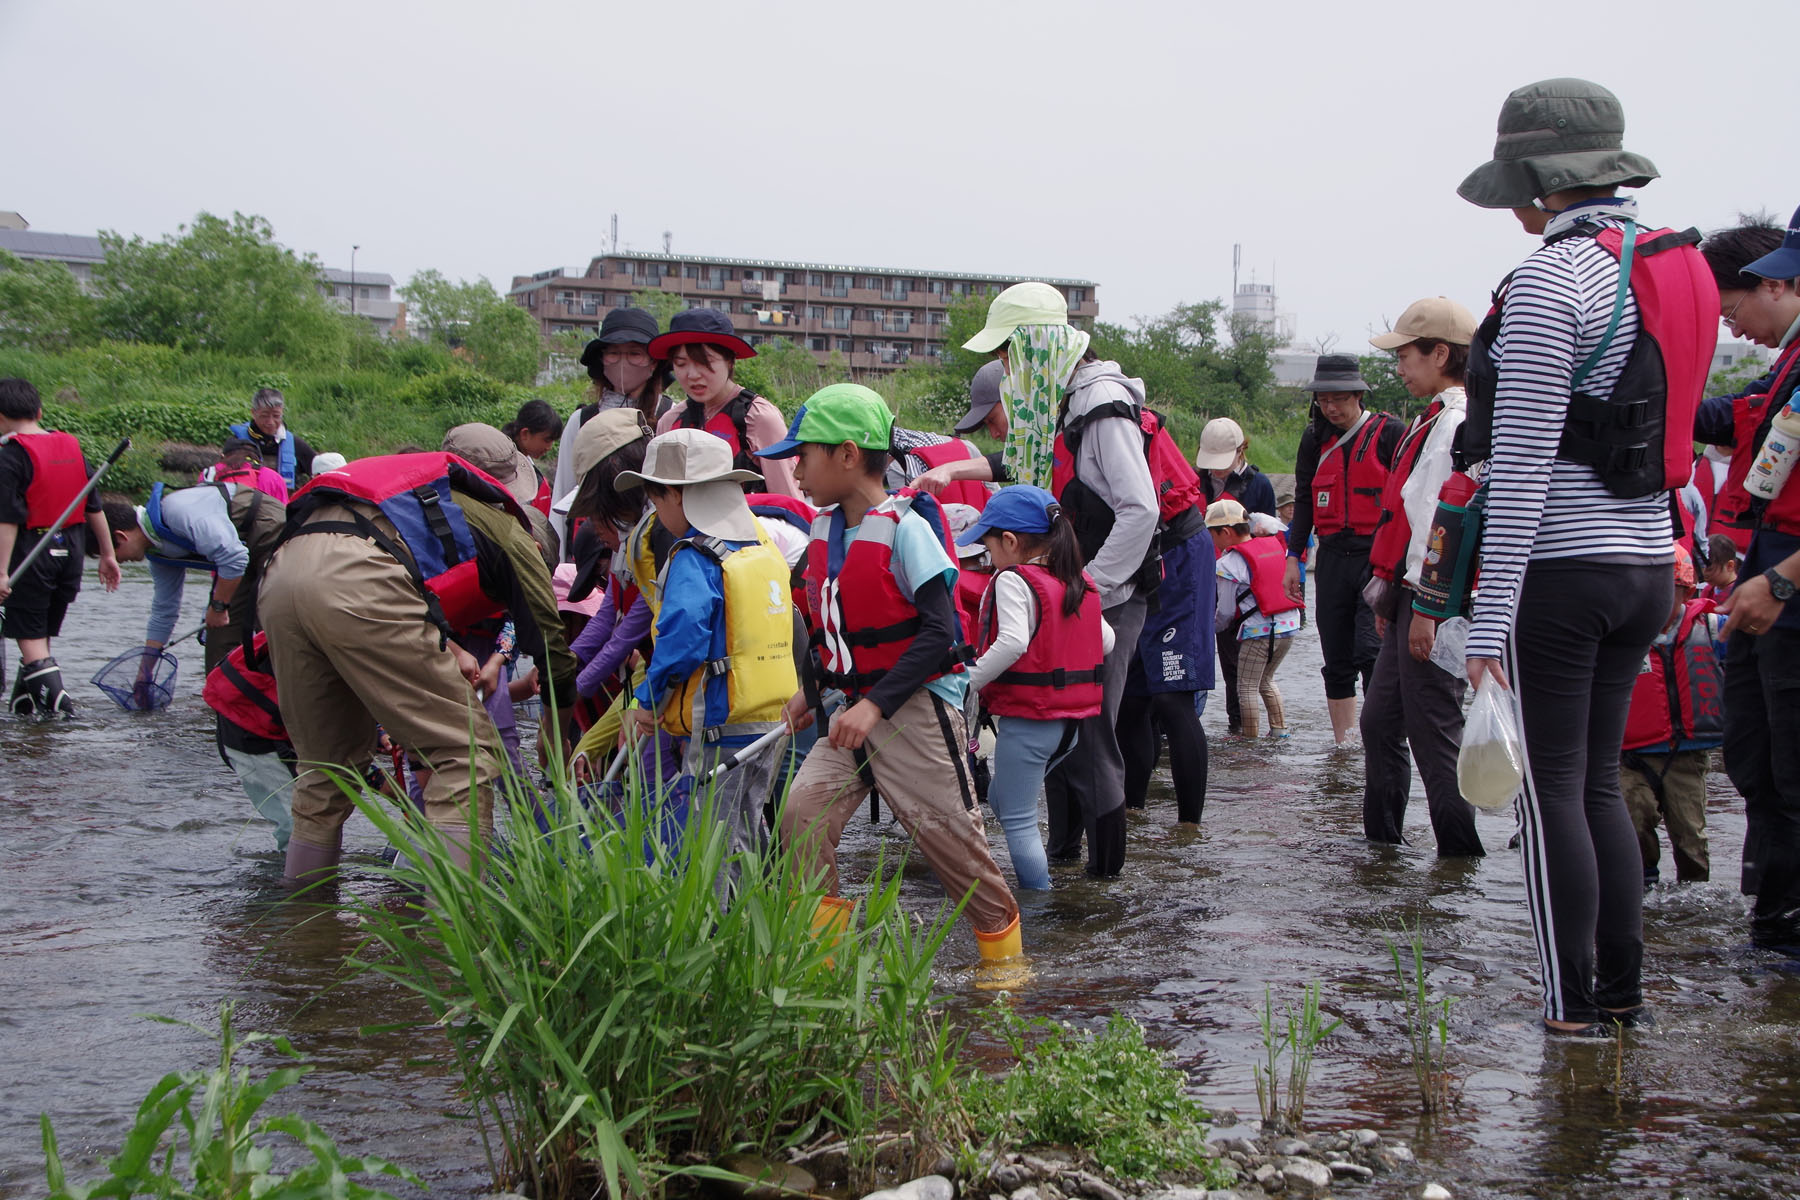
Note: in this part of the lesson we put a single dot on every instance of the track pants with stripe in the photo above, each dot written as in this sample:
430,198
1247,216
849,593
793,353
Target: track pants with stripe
1579,640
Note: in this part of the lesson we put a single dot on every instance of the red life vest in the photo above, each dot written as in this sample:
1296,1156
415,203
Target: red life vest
544,498
413,492
58,473
1040,686
1348,484
1393,531
1678,700
775,506
863,622
1267,557
1640,439
242,690
963,491
260,479
731,423
1735,512
971,587
1177,483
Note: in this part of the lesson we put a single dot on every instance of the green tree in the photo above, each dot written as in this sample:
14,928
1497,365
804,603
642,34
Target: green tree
444,310
1185,365
786,373
504,341
42,306
218,285
659,304
1386,393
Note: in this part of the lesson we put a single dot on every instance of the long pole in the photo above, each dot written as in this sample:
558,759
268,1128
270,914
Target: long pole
77,502
353,251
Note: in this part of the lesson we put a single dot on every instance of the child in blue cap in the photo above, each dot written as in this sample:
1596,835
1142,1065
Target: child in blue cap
1041,645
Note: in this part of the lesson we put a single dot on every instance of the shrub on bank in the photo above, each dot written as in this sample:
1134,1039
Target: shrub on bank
617,1026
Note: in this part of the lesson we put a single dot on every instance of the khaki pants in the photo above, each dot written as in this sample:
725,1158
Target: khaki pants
1257,660
1681,806
917,778
352,647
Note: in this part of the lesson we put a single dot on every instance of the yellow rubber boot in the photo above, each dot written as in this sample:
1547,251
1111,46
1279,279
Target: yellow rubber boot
829,921
1003,963
998,947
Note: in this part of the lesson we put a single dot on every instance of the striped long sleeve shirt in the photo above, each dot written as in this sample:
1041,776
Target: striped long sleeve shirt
1556,311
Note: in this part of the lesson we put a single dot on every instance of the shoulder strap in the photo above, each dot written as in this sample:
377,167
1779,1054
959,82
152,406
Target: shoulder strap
1627,252
1074,427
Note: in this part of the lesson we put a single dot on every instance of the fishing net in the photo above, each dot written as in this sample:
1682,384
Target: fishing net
139,680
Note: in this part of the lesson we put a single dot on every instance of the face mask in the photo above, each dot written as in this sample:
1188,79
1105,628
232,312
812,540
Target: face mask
627,377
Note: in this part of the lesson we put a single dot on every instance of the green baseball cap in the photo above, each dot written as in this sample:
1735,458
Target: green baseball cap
831,416
1554,135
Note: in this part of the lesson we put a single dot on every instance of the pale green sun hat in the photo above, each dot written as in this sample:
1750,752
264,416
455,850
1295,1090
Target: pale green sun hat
1020,304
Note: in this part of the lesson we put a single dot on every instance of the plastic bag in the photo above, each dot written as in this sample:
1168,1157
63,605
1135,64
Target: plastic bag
1490,767
1448,646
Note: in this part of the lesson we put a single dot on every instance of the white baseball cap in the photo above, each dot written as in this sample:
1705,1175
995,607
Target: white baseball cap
1220,442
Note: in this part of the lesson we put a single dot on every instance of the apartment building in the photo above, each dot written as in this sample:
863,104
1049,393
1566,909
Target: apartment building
876,318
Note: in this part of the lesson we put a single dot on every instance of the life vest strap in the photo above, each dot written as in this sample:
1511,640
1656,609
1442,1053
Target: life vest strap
251,692
898,631
1061,677
361,526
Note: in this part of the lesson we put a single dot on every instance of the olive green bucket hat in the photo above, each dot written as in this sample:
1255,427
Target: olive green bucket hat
1556,134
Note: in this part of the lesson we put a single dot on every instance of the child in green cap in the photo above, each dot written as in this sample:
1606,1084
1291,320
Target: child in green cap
879,579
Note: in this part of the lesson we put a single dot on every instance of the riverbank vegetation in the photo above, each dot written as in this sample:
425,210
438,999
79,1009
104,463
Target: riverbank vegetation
175,335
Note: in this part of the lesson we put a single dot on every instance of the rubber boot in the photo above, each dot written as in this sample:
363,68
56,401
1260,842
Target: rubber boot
1003,964
830,920
309,865
39,691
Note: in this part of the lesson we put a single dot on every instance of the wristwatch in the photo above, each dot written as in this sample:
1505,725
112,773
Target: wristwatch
215,606
1780,586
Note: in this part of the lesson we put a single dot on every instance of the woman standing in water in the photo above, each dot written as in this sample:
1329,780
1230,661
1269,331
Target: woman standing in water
703,351
625,375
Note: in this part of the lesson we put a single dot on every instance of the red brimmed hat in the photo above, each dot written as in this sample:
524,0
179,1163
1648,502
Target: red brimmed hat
705,326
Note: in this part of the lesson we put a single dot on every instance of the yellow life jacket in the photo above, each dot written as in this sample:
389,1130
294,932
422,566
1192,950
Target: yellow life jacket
758,666
643,565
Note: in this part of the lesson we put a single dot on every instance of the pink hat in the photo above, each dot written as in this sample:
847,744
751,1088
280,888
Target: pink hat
560,583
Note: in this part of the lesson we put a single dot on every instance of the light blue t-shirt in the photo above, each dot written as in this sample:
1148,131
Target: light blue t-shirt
919,557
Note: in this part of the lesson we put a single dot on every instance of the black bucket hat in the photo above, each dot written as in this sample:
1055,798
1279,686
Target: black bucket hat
1554,135
591,557
706,326
619,325
1338,373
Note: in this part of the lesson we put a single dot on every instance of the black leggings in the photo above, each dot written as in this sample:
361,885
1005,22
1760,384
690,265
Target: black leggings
1578,641
1346,626
1142,721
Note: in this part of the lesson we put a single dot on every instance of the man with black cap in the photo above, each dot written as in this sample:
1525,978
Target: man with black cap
1757,268
1582,386
625,375
1339,472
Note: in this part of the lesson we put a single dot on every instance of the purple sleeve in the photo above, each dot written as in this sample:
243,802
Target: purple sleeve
593,635
631,629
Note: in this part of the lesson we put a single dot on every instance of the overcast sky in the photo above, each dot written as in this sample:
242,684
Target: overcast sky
1130,144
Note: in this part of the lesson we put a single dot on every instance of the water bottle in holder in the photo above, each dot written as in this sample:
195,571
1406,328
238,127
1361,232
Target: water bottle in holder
1775,458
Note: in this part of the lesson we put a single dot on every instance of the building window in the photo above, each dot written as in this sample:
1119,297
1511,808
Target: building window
845,345
818,344
750,306
723,306
934,287
691,271
815,281
878,315
815,312
692,304
1077,295
840,286
840,318
365,293
872,282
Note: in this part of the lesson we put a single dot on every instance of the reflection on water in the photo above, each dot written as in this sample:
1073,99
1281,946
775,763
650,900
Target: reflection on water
133,879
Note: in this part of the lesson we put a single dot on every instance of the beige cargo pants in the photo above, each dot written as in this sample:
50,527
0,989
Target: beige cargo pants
917,779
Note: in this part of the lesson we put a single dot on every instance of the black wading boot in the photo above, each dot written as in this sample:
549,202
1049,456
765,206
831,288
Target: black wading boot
39,691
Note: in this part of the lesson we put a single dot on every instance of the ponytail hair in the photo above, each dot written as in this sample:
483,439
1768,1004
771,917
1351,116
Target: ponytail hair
535,416
1063,553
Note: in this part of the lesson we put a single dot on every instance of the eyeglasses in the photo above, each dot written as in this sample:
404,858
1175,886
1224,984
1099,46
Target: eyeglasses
633,354
1730,318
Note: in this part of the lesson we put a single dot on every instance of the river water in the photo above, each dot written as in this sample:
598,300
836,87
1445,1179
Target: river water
134,879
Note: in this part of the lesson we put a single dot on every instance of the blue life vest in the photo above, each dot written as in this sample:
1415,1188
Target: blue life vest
284,452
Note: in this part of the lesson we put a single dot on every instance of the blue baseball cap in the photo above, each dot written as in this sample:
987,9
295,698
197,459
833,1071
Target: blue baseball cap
1783,262
1017,509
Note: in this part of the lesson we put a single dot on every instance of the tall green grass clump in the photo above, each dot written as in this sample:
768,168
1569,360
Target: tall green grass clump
222,1151
1297,1039
1111,1094
1427,1019
617,1025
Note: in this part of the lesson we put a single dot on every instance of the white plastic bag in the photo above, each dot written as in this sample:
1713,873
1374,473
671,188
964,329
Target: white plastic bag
1448,646
1490,766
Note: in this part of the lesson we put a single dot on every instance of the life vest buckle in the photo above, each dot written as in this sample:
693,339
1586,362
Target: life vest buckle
718,666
